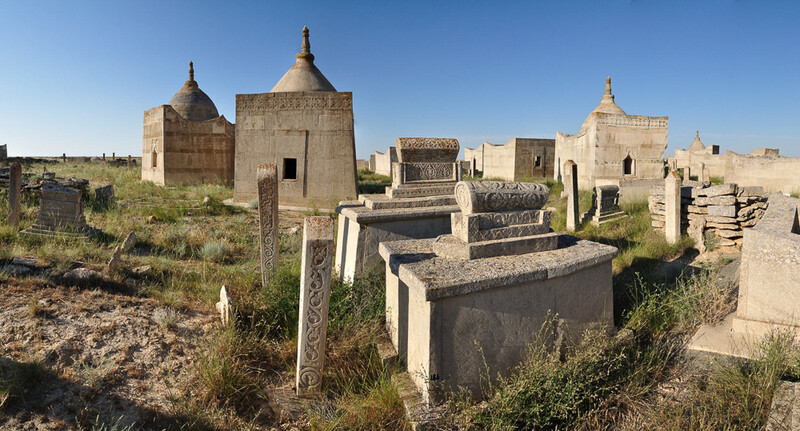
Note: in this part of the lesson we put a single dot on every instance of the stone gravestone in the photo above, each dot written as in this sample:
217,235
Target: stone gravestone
64,157
130,161
267,177
14,191
104,157
605,205
672,197
687,173
315,292
60,214
104,194
223,306
571,187
114,156
129,242
116,260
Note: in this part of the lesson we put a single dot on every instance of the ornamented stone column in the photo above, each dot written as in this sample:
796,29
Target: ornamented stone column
267,178
485,196
14,190
571,186
672,197
315,292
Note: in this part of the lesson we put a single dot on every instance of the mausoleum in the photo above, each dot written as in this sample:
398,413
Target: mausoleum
517,159
305,127
187,141
612,146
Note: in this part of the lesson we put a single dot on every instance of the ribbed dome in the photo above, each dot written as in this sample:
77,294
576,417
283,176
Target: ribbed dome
192,103
607,105
303,76
697,144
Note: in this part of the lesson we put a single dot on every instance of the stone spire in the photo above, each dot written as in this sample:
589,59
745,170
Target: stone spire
608,96
191,83
697,144
607,105
305,47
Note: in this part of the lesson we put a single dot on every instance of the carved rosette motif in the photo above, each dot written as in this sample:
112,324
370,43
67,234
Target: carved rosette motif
485,196
309,371
428,171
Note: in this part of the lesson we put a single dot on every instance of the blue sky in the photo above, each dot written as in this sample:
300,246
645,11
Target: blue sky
77,76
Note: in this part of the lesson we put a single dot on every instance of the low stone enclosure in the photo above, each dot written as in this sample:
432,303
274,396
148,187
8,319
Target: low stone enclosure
724,210
417,205
769,297
461,304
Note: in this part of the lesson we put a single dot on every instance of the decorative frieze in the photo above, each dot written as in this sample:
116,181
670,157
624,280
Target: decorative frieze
485,196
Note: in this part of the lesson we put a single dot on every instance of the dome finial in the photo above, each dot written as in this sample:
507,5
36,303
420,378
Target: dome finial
305,48
608,85
697,134
191,71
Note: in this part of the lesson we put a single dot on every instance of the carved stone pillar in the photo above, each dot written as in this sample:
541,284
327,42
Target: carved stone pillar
267,178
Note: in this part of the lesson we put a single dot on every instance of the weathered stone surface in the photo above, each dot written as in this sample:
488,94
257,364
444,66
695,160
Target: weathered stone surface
499,225
60,214
426,150
15,269
30,262
483,196
718,190
315,291
14,191
672,193
451,247
223,306
104,194
115,261
267,179
381,202
84,276
784,412
129,242
724,211
718,219
716,200
729,234
728,226
696,209
696,231
750,191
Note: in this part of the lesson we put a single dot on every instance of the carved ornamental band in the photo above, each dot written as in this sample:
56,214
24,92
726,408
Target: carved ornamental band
267,183
484,196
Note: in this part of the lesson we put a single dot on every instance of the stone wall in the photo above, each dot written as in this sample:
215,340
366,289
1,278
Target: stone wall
771,171
517,159
715,163
383,161
308,135
178,151
725,210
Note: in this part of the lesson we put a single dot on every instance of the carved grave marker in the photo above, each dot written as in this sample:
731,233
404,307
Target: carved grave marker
14,191
315,292
267,178
571,186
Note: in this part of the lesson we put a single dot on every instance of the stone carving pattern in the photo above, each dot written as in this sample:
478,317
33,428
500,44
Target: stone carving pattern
428,171
495,220
632,121
266,204
508,232
257,104
427,143
309,374
482,196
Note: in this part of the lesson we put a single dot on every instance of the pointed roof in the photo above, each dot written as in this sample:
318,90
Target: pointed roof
697,144
191,102
607,104
303,76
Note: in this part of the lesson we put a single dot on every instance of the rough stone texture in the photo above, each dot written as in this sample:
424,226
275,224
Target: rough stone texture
451,247
571,187
310,131
440,310
784,412
14,192
60,213
223,306
176,150
315,292
267,181
3,151
722,211
769,295
104,194
303,75
115,261
672,196
768,170
605,205
516,160
612,145
699,154
129,242
427,150
483,196
499,225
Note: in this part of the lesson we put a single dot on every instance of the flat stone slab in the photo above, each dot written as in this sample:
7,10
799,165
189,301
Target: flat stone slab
721,339
416,263
364,215
451,247
411,191
382,201
784,413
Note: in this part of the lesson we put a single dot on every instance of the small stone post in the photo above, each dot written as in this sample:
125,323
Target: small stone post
267,182
14,191
113,156
315,292
704,177
571,186
130,161
104,157
64,157
687,173
672,197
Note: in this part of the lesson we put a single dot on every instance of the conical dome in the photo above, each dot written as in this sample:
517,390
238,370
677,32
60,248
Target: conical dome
607,105
192,103
303,76
697,144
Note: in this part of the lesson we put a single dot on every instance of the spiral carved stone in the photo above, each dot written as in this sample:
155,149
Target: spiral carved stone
487,196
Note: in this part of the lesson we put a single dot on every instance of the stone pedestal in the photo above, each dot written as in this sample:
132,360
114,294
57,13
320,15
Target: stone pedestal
571,187
267,178
417,205
605,205
315,293
14,191
672,204
60,214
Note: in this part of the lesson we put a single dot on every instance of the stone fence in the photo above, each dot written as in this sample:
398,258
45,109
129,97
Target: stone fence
725,210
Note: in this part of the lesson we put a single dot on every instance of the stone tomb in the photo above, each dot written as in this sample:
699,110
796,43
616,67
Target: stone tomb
61,214
417,205
452,314
605,205
769,290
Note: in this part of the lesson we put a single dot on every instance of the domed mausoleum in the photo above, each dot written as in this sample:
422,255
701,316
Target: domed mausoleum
305,127
613,147
187,141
